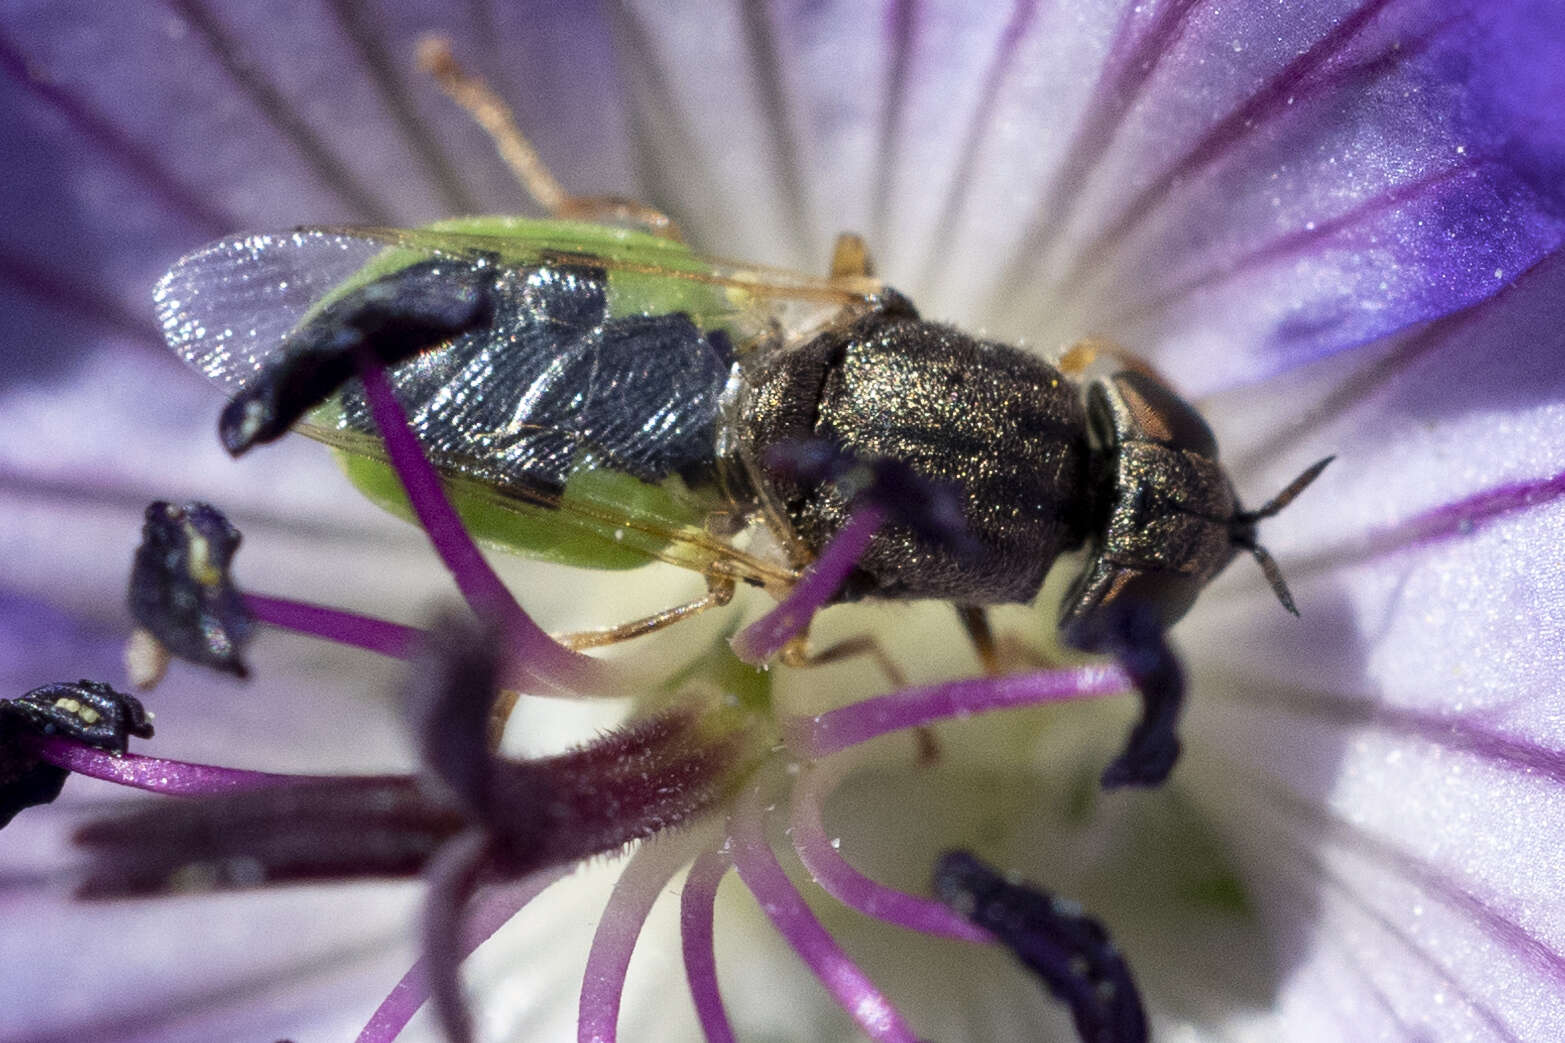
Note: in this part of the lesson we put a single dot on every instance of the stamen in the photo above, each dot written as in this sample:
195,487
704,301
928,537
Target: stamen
180,590
77,716
157,774
1134,635
850,887
835,730
451,686
333,624
356,630
785,907
531,648
452,877
763,639
879,490
603,985
696,905
399,315
89,712
1070,951
932,509
493,909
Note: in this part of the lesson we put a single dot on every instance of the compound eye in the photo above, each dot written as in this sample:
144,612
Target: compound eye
1149,407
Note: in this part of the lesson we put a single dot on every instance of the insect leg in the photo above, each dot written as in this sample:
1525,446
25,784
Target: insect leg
850,257
798,653
720,591
491,113
976,622
1085,352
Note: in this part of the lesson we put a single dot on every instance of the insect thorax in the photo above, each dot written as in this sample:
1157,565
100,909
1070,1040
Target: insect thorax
1005,428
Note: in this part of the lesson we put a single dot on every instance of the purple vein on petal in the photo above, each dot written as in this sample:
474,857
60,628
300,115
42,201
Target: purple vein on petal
603,984
766,68
1350,391
79,298
870,718
901,19
1452,330
1269,101
1457,520
697,903
280,113
185,1016
1131,60
112,143
155,774
655,124
1416,949
1462,733
785,908
383,70
957,192
1290,244
1418,871
850,887
492,909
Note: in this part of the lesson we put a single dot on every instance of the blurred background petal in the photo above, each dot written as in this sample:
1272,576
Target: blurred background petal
1241,191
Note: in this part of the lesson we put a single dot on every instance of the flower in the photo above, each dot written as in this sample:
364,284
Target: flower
1338,226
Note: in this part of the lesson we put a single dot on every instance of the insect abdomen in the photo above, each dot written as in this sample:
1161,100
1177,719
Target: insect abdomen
1006,428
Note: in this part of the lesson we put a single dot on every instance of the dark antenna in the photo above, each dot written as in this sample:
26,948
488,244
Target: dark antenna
1287,496
1243,529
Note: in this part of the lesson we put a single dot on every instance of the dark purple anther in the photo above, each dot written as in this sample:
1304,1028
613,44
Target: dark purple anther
933,510
393,318
88,712
1055,940
180,588
1133,634
880,491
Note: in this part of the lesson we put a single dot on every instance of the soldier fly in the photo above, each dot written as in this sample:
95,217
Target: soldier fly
598,394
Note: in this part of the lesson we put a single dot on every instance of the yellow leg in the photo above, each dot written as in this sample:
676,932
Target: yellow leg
720,591
492,114
1086,351
850,258
797,653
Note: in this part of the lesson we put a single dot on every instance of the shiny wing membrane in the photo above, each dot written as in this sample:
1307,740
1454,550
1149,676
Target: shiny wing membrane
577,426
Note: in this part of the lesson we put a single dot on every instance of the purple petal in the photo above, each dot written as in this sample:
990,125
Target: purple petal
1426,665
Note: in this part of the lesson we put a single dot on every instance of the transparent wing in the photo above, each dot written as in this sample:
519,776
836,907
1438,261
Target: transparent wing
228,306
607,356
